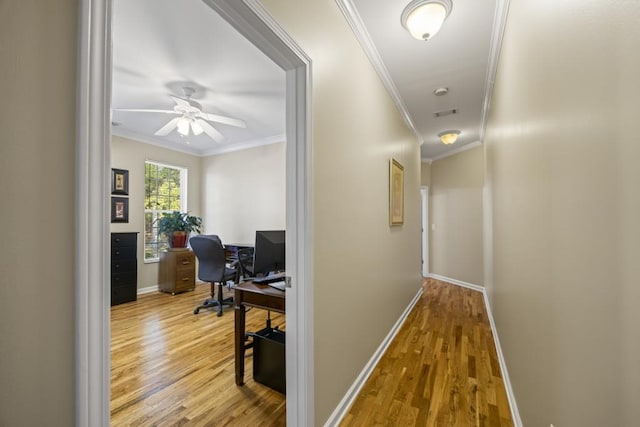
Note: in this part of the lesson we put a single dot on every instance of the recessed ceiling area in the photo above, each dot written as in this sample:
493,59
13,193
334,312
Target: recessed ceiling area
161,47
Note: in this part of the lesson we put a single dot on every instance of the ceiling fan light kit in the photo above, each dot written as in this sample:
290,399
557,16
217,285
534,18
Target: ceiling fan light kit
191,117
424,18
449,136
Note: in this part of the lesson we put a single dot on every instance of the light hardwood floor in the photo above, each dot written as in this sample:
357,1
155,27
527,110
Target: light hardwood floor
170,367
441,369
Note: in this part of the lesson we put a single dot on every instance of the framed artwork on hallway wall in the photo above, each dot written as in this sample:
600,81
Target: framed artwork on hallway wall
396,193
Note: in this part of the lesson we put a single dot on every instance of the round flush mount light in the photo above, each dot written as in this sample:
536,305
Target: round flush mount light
449,136
424,18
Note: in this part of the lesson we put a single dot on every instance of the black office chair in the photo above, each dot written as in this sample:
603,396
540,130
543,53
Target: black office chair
245,263
212,268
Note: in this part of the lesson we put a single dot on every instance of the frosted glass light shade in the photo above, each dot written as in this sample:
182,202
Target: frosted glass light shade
449,136
183,126
424,18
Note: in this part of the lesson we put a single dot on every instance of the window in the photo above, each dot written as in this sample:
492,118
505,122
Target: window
164,191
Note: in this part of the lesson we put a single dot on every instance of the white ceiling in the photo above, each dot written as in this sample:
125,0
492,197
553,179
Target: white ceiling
159,46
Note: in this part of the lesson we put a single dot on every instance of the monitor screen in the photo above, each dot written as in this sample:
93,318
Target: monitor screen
269,252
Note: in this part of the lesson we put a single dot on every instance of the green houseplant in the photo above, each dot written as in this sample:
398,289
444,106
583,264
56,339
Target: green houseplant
177,226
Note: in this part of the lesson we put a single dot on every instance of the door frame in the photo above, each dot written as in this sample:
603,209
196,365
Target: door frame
424,207
92,315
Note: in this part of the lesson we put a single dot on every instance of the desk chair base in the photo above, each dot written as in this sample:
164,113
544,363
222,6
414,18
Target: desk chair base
219,302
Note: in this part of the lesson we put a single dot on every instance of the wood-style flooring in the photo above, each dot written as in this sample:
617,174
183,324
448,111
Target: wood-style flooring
440,370
170,367
173,368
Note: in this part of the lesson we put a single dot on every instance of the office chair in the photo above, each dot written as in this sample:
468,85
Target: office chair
212,268
245,263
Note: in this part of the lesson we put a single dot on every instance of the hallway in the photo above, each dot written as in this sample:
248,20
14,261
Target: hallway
440,370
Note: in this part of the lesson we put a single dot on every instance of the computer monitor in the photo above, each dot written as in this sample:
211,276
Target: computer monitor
269,252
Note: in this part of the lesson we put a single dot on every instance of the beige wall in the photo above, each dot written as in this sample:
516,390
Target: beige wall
244,191
37,153
425,174
131,155
562,166
456,245
365,272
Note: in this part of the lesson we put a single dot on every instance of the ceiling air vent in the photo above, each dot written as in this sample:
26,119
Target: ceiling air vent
444,113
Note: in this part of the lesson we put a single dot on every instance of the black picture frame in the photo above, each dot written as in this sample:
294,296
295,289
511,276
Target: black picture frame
119,209
120,181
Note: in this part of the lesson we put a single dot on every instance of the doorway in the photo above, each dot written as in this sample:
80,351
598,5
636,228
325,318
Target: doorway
92,231
424,206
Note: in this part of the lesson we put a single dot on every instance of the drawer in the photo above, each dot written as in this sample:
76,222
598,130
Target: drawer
121,279
185,260
123,239
118,266
122,294
119,253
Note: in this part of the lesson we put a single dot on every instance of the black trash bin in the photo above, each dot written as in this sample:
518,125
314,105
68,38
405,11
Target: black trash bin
269,358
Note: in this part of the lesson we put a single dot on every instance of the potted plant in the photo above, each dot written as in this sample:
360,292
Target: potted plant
177,226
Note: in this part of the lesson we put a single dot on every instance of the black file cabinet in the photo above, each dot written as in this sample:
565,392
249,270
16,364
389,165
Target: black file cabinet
124,267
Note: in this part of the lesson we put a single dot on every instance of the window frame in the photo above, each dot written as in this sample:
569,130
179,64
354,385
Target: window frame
183,204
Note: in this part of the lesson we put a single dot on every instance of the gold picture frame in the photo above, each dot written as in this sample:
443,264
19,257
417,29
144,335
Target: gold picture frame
396,193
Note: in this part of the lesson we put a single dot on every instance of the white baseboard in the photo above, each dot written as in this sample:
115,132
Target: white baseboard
342,408
148,290
515,414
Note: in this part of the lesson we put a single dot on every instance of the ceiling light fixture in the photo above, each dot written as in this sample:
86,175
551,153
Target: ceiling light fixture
449,136
183,126
424,18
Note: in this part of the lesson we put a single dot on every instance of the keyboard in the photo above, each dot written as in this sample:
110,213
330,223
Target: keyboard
278,285
270,279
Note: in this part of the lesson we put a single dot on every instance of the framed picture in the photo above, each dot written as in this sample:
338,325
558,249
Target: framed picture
119,181
119,209
396,193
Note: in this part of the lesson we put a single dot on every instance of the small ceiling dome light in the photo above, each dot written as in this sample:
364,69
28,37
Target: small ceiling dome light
449,136
423,18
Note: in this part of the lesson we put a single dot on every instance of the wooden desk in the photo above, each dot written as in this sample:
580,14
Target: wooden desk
253,295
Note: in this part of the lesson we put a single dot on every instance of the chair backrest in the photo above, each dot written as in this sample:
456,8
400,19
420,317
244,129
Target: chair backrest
245,261
211,257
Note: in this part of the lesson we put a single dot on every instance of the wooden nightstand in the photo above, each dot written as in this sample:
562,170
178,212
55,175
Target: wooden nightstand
177,271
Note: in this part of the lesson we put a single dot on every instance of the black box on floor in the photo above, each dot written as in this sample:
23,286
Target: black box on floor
269,358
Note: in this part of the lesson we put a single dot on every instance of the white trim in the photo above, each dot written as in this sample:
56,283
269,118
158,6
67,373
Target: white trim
515,413
253,21
428,161
148,289
467,285
92,181
424,225
92,254
499,24
457,150
360,30
343,407
218,149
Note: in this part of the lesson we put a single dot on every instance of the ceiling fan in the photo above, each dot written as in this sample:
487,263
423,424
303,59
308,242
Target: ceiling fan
191,118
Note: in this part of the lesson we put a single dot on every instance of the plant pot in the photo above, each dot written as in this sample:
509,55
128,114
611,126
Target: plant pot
179,239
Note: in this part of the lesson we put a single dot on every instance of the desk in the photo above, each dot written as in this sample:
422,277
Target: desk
253,295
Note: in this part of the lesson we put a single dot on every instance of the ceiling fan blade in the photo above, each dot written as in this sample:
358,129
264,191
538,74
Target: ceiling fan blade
166,129
211,131
222,119
180,101
144,110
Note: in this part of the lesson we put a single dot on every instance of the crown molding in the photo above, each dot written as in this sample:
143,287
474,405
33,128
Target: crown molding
354,20
499,24
456,151
227,148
